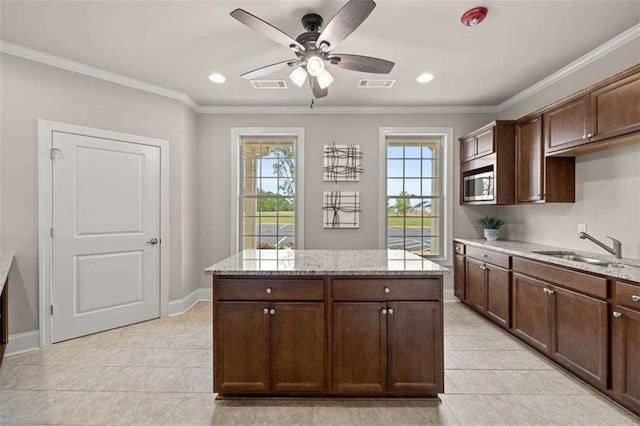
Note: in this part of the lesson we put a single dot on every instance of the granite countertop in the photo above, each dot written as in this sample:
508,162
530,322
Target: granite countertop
527,250
325,262
6,259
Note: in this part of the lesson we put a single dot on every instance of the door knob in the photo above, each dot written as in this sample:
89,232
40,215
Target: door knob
153,241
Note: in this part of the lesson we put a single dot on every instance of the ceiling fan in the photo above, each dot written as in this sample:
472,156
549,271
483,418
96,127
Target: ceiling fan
313,49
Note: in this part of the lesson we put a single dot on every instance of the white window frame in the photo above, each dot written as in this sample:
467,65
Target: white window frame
237,133
447,183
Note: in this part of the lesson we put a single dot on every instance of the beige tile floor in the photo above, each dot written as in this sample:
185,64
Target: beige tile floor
159,372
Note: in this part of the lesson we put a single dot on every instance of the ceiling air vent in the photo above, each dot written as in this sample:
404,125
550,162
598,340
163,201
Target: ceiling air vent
269,84
376,84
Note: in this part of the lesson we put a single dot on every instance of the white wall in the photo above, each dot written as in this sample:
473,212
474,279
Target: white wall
320,129
607,183
31,91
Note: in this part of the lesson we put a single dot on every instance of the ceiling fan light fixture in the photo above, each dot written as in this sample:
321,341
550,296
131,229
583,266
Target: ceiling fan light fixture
425,78
315,66
298,76
324,79
217,78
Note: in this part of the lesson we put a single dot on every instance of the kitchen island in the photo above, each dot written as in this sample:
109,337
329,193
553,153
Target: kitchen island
327,323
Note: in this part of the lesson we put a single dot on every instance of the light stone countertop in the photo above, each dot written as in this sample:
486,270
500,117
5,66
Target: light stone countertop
326,262
527,250
6,259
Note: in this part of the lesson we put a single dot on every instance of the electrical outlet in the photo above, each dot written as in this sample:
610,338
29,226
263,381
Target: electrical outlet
582,227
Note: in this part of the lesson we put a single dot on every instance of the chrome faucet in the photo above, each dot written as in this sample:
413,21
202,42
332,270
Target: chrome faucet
616,251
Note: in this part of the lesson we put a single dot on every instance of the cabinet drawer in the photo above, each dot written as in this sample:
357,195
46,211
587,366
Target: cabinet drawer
385,289
628,295
489,256
265,289
458,248
585,283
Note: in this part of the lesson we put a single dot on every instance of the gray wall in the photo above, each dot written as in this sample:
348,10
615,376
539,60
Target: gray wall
607,183
320,129
31,91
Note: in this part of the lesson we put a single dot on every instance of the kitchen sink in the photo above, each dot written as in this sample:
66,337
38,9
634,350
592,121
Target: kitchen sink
569,255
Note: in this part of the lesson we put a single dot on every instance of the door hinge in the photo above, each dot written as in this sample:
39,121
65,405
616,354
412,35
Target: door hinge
55,154
51,309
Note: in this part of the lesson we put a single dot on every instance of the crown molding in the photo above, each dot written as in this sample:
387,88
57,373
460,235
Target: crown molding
348,110
597,53
77,67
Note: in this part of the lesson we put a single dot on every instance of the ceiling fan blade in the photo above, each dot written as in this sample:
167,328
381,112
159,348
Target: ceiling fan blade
318,92
269,69
362,63
345,22
264,28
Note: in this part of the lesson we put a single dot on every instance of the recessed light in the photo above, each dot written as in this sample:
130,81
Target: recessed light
217,78
425,78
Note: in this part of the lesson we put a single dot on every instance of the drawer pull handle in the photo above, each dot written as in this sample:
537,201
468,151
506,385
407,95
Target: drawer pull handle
617,314
635,298
386,290
269,290
265,310
390,311
384,311
272,311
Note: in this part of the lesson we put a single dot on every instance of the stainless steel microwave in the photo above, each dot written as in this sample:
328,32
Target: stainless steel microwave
479,186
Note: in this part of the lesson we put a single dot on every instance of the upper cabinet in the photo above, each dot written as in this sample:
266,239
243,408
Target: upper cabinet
596,118
478,144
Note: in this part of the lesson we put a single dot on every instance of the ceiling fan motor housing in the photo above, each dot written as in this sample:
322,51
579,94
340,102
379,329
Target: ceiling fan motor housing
312,22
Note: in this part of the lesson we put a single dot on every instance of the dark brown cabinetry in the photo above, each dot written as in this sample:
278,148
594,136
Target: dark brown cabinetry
391,346
269,336
625,353
538,178
568,124
616,108
490,149
564,315
459,276
488,284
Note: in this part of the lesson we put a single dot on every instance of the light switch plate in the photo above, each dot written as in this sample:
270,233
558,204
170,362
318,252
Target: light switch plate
582,227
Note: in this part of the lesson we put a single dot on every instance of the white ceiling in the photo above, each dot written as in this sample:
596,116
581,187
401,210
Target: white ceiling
177,44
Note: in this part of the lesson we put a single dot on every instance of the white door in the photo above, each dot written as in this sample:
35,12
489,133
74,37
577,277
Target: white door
106,221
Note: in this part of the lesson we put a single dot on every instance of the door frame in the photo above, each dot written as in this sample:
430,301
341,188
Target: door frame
46,129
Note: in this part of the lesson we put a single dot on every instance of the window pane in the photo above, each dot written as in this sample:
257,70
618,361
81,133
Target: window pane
430,187
286,186
394,151
412,150
268,186
395,168
412,168
430,168
430,151
412,187
394,186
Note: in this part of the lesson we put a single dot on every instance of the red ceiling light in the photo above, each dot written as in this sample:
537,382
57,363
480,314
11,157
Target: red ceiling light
473,17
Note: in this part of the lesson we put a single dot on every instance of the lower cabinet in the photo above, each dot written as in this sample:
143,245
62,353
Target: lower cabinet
459,276
487,290
625,353
531,312
269,347
387,347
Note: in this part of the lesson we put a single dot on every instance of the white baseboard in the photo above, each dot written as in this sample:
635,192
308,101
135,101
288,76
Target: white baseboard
22,342
180,306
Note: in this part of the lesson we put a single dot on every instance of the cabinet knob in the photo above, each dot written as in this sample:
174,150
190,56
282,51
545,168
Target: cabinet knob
484,255
584,136
550,291
483,267
269,290
386,290
272,311
384,311
617,314
265,310
390,311
635,298
589,135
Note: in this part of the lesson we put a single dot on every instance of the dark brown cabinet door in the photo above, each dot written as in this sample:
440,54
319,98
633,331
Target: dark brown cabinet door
241,347
458,276
359,348
467,149
484,143
580,335
626,356
476,284
616,108
567,125
416,354
529,161
498,295
531,312
297,347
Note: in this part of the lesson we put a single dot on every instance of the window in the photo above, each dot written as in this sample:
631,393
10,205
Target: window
413,192
268,191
